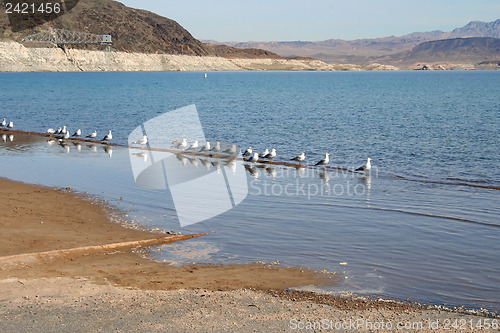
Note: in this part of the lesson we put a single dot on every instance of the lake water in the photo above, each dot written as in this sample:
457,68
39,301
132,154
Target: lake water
423,225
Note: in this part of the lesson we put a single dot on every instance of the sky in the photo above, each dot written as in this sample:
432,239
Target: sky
314,20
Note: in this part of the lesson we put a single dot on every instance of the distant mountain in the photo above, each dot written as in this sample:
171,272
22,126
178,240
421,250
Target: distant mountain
456,50
359,51
133,30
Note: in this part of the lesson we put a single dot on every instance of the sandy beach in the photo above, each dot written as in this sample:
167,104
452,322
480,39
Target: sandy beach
118,289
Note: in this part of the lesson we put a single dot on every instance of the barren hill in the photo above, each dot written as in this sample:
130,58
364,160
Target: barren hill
133,30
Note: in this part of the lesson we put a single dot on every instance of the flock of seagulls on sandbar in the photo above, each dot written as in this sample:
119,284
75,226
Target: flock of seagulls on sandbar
249,155
64,134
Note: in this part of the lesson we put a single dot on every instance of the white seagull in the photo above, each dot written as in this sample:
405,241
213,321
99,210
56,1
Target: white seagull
142,141
325,160
183,144
216,148
77,133
206,147
10,125
254,158
59,131
271,155
248,152
92,135
51,131
300,158
4,123
264,153
108,137
194,145
231,150
367,165
65,136
64,130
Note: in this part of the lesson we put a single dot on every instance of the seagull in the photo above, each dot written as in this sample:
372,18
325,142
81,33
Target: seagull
92,135
51,131
142,141
325,160
65,136
64,130
264,153
231,150
108,137
365,167
10,125
254,158
175,142
183,144
216,149
248,152
194,145
59,131
4,123
206,147
300,158
271,155
77,133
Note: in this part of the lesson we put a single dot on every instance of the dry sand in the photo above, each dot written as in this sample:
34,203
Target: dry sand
119,290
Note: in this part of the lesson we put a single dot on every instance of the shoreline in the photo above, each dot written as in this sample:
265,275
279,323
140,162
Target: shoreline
53,284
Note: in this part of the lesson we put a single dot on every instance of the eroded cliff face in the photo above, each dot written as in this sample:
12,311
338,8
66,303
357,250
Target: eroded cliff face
15,57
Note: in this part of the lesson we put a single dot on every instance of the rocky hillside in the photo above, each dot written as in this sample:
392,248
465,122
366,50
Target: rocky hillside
133,30
359,51
456,50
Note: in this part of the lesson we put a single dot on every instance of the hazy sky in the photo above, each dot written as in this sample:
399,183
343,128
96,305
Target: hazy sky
312,20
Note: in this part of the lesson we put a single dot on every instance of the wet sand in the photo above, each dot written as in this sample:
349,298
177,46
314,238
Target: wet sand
118,289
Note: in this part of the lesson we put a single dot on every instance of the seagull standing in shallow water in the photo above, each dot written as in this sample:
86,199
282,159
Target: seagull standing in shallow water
194,145
142,141
206,147
51,131
108,137
10,125
231,150
254,158
4,123
300,158
216,149
271,155
248,152
183,144
64,130
92,135
367,166
325,160
77,133
264,153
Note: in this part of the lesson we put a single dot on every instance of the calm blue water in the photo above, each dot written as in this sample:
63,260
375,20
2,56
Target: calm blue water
425,225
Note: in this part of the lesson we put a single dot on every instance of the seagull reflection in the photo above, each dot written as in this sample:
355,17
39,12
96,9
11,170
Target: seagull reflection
108,150
4,137
93,148
142,155
270,171
182,159
217,166
206,164
231,164
367,179
324,176
78,145
65,146
253,171
194,162
11,138
50,142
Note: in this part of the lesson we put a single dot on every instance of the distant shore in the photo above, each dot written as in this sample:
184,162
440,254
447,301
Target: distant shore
15,57
117,288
